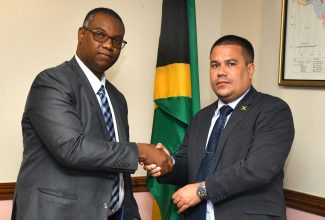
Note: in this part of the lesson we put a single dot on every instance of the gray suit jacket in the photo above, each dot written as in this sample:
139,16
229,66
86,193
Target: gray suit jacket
68,163
248,176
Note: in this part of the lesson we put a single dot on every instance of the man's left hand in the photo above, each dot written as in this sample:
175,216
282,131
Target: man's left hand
186,197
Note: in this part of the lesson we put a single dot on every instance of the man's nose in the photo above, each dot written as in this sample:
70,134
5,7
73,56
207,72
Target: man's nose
221,70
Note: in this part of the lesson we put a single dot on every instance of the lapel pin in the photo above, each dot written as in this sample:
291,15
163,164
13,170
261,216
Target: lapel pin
243,108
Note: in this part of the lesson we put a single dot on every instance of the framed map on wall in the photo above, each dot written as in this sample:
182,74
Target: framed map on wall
302,44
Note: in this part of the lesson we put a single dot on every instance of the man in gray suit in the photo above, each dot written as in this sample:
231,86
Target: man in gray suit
76,162
245,177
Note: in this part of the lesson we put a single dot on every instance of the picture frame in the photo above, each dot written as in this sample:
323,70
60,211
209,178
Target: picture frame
302,44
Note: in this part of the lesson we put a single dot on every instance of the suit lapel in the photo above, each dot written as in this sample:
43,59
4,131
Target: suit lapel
237,115
203,134
89,92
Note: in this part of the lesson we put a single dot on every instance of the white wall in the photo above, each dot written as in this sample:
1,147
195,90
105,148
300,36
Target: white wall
38,34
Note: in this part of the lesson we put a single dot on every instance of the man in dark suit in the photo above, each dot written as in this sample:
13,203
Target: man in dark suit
245,177
76,162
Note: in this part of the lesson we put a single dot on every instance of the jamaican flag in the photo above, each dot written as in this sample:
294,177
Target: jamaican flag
176,93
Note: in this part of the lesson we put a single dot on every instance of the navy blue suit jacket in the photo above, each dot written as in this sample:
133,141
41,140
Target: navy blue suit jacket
248,173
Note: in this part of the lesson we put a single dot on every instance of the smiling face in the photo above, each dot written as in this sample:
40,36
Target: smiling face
230,73
98,57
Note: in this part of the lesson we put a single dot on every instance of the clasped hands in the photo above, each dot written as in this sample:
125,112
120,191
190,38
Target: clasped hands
155,158
184,197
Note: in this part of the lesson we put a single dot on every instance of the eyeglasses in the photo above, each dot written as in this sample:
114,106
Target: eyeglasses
102,37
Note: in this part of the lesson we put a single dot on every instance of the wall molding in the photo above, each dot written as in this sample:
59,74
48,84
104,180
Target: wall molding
7,191
305,202
296,200
139,184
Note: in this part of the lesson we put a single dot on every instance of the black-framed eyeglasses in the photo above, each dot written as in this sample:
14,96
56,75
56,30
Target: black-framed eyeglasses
102,37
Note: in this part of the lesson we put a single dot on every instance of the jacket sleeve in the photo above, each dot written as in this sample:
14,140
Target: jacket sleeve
53,113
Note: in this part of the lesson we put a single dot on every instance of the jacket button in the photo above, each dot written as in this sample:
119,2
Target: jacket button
105,205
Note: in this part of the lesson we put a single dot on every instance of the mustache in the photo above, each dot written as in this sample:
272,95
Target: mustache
223,79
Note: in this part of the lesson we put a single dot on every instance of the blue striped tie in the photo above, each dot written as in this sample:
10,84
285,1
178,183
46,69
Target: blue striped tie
110,128
206,167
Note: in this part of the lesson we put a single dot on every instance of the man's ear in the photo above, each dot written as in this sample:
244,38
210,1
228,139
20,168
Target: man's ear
251,70
81,33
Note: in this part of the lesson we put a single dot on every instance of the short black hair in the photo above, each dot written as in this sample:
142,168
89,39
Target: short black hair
240,41
107,11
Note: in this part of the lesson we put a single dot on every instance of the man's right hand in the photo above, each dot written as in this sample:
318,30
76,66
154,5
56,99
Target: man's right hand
156,158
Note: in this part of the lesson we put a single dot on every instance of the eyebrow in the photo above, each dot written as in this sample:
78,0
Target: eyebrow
231,60
226,61
98,29
102,30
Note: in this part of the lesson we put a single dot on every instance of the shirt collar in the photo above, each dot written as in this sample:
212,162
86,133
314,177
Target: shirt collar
93,80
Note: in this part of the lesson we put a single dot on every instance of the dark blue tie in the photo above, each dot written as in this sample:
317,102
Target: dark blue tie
107,114
110,128
206,166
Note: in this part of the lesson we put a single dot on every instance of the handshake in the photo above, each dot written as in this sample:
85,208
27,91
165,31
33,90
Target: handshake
155,159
